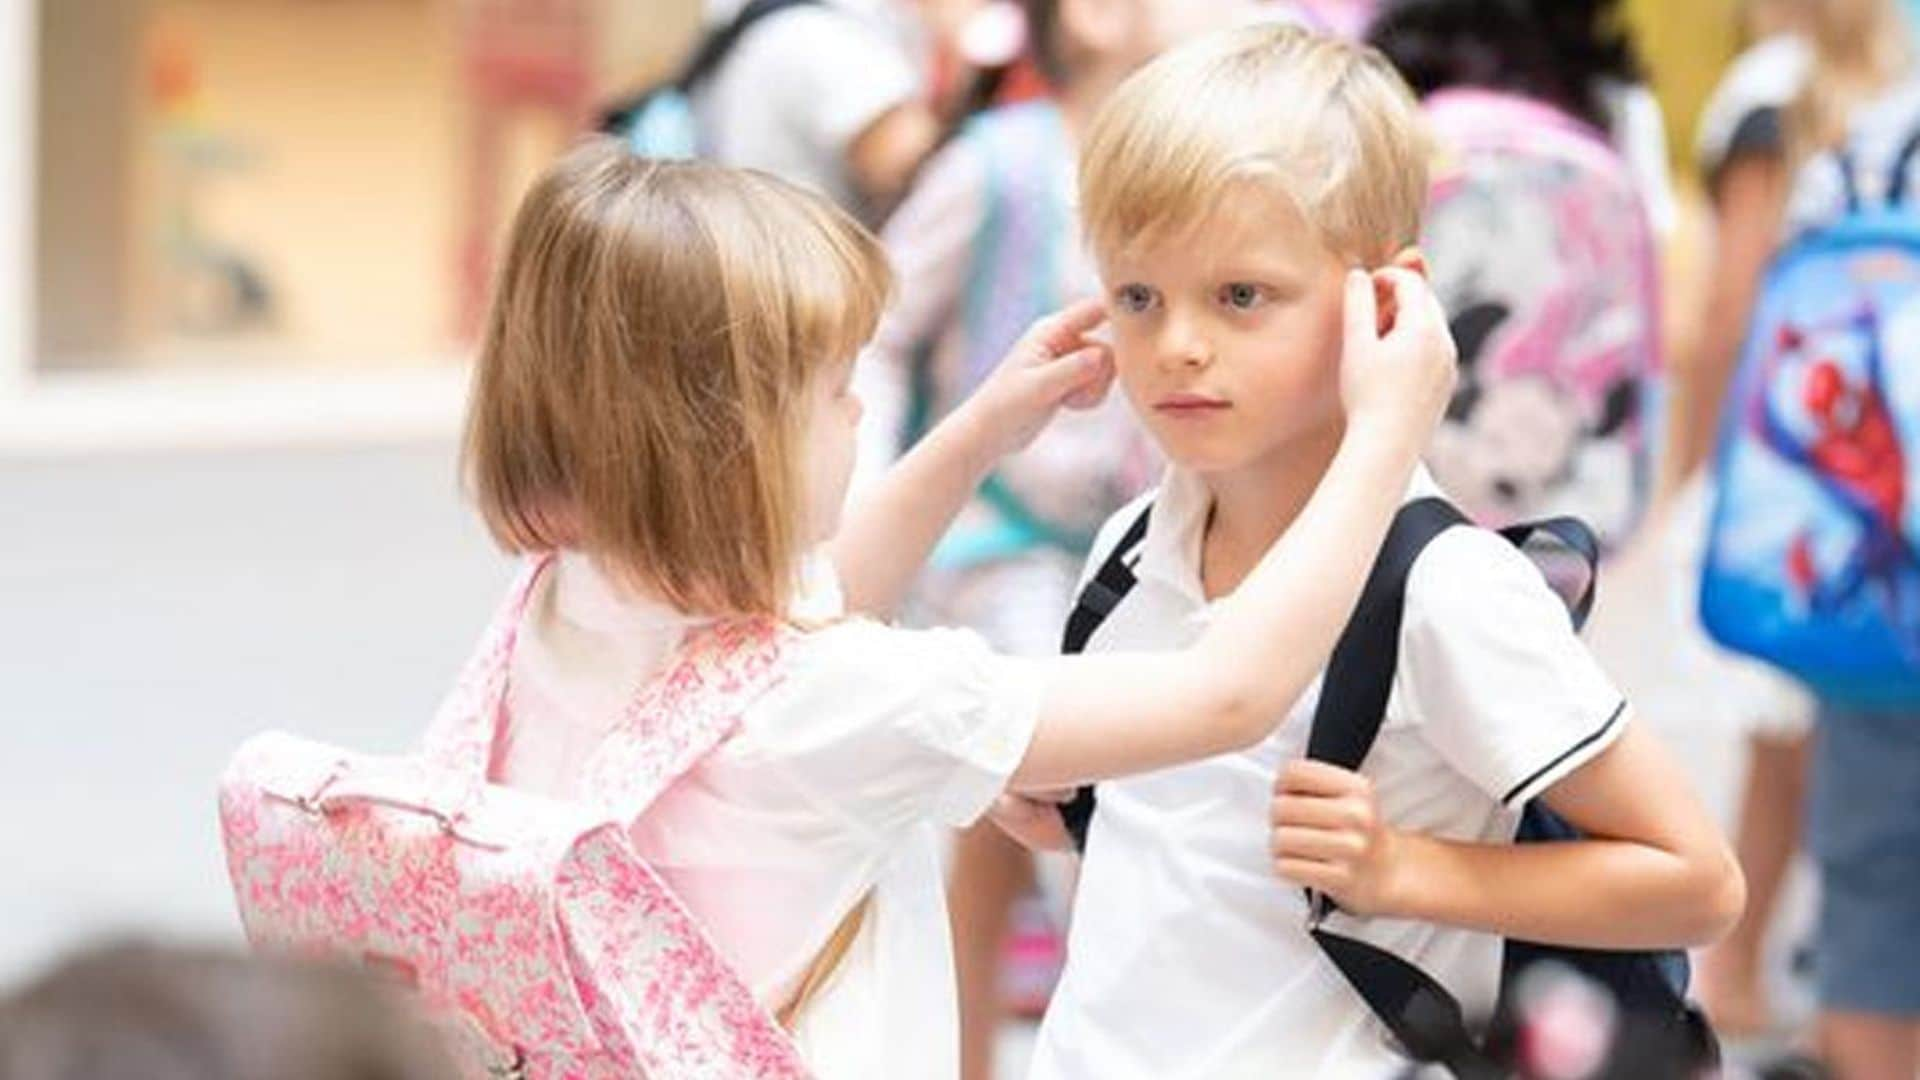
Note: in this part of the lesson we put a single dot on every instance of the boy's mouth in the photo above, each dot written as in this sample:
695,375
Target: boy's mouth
1190,405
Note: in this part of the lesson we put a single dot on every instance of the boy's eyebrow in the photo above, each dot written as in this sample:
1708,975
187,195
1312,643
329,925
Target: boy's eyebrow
1243,268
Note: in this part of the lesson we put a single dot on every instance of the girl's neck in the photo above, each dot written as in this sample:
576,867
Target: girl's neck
1254,504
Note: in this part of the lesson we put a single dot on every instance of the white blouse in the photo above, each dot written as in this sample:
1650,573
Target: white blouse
833,790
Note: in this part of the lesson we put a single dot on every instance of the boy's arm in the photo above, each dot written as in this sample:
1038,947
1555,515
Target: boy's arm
1654,872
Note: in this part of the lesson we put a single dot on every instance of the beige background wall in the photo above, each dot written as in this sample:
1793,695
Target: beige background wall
350,119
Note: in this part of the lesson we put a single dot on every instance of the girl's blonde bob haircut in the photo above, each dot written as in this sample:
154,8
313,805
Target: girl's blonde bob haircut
643,383
1325,123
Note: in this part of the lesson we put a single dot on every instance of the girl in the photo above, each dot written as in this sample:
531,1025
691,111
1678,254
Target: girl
1812,64
663,399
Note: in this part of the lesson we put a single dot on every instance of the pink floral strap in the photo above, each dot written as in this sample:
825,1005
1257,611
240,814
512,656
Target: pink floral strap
719,671
691,1012
463,730
683,1010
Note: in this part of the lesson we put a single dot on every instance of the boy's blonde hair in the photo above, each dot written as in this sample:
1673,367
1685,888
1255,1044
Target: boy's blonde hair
1326,123
642,387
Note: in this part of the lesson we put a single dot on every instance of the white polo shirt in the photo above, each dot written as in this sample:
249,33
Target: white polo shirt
1188,957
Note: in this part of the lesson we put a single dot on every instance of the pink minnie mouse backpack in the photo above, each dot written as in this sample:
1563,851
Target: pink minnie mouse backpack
531,928
1542,252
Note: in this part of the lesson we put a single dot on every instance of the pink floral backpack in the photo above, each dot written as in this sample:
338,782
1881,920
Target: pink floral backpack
531,928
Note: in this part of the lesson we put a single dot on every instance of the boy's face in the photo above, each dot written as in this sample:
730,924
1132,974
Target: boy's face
1227,336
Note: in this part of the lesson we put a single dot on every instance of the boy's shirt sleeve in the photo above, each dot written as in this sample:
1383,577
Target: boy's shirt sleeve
1493,673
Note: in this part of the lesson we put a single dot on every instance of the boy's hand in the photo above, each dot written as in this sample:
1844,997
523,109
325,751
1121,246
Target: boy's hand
1034,820
1053,364
1328,836
1397,364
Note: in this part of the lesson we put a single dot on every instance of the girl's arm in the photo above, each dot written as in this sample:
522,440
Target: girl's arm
1751,194
893,526
1655,872
1110,714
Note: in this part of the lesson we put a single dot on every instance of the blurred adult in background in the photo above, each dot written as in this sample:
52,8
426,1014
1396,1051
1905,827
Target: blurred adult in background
1810,66
126,1011
827,94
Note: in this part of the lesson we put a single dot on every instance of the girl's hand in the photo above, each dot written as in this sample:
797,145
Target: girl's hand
1328,836
1397,365
1053,364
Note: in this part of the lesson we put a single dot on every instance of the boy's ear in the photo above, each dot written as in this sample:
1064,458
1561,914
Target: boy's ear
1407,258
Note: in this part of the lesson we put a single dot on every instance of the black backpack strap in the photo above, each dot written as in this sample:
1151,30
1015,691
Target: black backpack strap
1422,1015
1849,179
1578,539
1359,678
714,49
1109,585
1897,179
615,118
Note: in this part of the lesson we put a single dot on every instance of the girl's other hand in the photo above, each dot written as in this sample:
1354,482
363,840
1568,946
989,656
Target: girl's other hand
1397,366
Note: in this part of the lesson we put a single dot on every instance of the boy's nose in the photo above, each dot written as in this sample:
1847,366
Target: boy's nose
1182,345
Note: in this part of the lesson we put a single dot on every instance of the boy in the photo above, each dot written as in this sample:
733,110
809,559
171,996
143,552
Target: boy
1226,191
986,242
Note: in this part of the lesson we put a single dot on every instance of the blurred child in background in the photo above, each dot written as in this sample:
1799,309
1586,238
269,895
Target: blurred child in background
177,1014
1812,64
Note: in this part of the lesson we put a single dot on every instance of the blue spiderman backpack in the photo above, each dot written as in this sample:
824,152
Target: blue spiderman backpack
658,122
1813,554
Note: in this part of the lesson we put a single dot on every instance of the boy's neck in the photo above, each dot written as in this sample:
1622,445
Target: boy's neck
1253,505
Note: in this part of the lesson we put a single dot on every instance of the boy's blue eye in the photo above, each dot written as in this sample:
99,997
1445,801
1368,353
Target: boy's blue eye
1241,295
1134,298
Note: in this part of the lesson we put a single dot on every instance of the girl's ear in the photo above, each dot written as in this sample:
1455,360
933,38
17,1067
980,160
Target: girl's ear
1412,258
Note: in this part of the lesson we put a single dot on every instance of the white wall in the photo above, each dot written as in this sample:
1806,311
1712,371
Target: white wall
157,608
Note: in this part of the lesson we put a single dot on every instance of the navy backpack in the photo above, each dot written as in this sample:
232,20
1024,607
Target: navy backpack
1421,1014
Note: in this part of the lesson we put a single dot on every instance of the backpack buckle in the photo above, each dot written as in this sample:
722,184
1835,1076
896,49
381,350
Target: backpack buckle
1319,906
512,1070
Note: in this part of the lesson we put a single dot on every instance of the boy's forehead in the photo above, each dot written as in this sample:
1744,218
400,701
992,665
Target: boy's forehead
1245,224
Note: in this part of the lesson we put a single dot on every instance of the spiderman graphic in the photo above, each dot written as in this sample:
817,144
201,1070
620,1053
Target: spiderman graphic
1854,452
